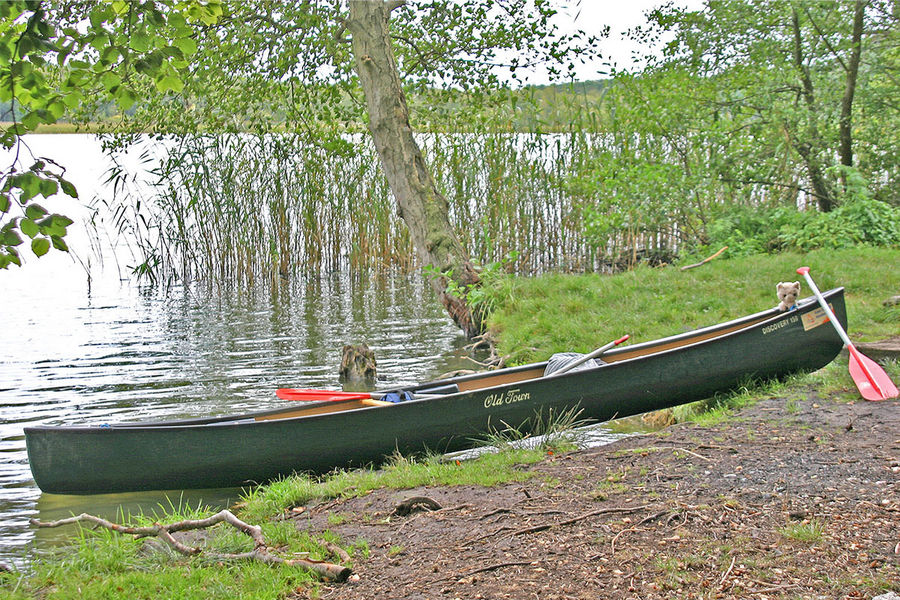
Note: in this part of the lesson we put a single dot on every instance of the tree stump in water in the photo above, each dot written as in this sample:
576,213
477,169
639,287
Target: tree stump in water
357,364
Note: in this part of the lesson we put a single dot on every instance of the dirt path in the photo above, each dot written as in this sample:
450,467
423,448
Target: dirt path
792,498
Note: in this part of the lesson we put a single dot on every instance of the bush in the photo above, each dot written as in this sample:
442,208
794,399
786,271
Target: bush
860,221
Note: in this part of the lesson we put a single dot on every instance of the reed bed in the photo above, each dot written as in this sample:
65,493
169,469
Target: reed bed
597,197
253,208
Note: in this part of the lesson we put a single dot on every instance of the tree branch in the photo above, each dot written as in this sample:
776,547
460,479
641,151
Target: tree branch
164,532
825,39
394,4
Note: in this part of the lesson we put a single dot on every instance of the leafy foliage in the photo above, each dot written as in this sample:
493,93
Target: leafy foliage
59,60
859,220
733,134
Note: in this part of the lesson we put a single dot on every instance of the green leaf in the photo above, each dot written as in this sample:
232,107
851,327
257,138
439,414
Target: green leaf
28,227
48,188
29,183
140,41
12,257
187,45
100,41
72,99
169,83
35,212
59,243
62,220
31,120
125,98
56,109
109,55
4,203
9,237
68,189
54,225
110,80
176,20
40,246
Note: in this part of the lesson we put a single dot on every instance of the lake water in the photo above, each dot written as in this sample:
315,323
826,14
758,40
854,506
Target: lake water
111,351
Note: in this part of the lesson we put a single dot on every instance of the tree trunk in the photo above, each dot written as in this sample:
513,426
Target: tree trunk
422,207
809,149
850,89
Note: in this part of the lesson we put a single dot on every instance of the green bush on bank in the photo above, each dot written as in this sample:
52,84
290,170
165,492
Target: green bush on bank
859,219
755,230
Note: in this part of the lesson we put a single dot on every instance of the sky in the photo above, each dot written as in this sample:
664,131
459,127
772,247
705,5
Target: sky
592,15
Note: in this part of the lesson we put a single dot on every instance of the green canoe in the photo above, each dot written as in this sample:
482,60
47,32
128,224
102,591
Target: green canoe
251,448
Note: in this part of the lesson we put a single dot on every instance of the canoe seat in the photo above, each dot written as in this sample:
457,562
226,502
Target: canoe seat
561,359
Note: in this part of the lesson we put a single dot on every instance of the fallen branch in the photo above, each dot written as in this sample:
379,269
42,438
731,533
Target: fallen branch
692,453
581,517
432,512
337,551
503,565
705,260
164,532
612,545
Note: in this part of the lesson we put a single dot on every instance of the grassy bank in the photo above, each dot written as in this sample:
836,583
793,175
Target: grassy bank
103,564
538,316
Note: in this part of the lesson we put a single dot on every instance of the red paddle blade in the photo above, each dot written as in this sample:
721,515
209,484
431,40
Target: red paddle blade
319,395
870,378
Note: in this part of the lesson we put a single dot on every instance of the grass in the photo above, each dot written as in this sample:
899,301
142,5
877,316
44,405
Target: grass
553,431
539,316
807,532
104,564
554,313
403,473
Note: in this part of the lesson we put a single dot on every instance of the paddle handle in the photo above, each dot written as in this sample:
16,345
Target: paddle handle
593,354
831,317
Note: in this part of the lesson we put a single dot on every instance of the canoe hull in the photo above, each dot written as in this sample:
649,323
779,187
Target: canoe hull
247,449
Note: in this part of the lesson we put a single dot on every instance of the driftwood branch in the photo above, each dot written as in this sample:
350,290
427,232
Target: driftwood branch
705,260
164,532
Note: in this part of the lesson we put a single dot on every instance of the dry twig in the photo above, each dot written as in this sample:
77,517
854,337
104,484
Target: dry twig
164,532
705,260
727,573
581,517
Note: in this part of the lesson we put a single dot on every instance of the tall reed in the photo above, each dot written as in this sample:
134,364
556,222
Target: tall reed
247,208
259,208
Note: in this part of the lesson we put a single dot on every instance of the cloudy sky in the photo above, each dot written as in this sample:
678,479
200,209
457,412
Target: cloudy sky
592,15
